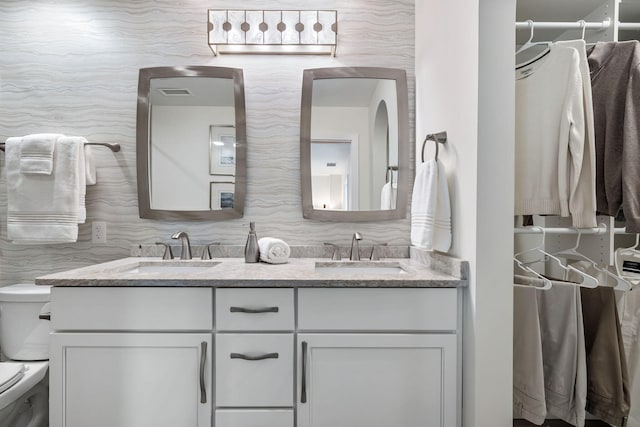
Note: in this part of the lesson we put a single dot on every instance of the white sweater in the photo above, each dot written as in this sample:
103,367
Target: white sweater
550,138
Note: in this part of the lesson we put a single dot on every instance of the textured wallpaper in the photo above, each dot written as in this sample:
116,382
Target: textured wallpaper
72,67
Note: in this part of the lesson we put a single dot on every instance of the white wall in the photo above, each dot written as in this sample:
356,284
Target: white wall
464,85
180,137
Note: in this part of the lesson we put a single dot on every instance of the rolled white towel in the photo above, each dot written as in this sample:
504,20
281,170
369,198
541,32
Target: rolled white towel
273,251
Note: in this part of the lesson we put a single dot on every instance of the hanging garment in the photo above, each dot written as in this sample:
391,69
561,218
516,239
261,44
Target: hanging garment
563,350
608,396
586,195
528,370
550,135
630,327
615,79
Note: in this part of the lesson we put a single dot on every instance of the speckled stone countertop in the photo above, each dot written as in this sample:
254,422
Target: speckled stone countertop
419,271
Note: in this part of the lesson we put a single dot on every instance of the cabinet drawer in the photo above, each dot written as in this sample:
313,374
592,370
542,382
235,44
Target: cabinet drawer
254,310
140,309
265,381
253,418
377,309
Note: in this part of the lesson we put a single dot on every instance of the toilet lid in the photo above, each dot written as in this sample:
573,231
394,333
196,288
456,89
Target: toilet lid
10,373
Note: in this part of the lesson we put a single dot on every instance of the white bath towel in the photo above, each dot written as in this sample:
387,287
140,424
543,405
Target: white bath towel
43,208
431,208
90,166
82,176
388,196
36,155
273,251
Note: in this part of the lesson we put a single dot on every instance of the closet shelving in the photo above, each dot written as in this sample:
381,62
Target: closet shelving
555,20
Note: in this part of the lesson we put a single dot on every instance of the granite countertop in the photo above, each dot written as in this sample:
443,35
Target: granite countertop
234,272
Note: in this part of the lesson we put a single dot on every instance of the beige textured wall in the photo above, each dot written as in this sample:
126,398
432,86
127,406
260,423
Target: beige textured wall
71,66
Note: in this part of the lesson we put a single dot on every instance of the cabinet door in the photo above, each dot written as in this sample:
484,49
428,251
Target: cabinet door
130,380
376,380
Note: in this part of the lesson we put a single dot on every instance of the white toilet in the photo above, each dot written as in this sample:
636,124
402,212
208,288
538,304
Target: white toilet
24,343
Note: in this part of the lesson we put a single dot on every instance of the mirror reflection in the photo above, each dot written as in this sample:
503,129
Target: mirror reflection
356,122
191,162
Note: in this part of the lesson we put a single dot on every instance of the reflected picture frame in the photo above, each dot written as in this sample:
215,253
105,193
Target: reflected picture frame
222,150
222,195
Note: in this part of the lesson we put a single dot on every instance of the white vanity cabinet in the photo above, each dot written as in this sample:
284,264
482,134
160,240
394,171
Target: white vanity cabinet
131,357
377,358
273,357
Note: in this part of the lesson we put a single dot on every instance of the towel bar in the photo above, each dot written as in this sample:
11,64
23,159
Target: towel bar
438,138
115,147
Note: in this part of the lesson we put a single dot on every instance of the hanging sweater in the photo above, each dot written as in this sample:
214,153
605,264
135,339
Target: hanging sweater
615,79
550,138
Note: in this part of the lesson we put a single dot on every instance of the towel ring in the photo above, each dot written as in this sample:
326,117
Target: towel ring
438,138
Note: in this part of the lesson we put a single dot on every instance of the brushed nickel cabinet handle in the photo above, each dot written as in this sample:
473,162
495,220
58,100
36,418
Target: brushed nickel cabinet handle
203,362
259,357
254,310
303,392
44,316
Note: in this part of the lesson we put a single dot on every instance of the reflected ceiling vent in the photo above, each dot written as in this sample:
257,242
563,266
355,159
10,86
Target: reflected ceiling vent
175,92
310,32
331,165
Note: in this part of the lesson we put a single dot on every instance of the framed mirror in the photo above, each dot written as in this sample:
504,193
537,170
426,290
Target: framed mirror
354,144
191,143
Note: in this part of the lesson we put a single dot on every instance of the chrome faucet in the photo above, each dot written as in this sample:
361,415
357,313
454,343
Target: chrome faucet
186,245
355,248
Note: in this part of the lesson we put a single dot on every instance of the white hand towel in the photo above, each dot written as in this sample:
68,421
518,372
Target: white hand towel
388,196
82,176
43,208
36,155
431,208
90,165
273,251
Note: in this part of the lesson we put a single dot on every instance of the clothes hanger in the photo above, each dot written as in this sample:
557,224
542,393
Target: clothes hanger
588,281
531,281
529,44
572,253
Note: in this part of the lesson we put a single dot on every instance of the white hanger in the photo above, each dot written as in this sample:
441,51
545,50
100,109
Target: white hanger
531,281
588,281
583,24
530,43
572,253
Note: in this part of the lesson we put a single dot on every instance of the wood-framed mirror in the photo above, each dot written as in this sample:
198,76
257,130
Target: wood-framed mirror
354,144
191,143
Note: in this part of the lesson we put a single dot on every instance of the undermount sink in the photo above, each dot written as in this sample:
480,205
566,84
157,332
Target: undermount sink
359,267
152,267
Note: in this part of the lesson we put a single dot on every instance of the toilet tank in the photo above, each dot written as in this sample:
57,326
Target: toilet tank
23,335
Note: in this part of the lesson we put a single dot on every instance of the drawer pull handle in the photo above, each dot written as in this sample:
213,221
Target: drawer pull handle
254,310
44,316
259,357
203,361
303,392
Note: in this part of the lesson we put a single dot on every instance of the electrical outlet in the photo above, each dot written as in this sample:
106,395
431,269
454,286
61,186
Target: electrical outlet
99,232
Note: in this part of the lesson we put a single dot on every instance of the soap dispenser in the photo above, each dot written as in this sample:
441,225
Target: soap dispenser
251,249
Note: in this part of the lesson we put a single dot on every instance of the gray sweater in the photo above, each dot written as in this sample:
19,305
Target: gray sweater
615,79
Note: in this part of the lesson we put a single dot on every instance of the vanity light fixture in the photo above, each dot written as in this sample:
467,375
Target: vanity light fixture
273,31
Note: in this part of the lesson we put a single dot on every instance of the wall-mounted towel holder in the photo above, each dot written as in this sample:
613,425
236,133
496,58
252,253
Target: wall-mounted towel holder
438,138
115,147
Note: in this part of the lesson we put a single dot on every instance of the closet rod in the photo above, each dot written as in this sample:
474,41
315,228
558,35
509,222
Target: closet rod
115,147
564,25
628,25
602,229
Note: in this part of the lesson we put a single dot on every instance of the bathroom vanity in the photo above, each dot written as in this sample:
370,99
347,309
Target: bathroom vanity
186,343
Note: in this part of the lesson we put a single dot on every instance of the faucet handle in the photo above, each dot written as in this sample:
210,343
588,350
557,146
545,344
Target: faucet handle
167,250
206,251
375,254
336,252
